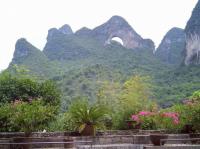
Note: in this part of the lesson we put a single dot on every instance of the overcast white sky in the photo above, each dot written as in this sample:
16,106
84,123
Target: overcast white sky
32,18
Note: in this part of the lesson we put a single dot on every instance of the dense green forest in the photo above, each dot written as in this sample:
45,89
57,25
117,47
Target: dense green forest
30,104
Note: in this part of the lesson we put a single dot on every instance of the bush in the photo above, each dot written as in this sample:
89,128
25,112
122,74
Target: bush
49,92
34,116
169,121
194,110
26,117
125,99
145,119
63,122
196,96
195,119
6,112
189,113
26,88
157,120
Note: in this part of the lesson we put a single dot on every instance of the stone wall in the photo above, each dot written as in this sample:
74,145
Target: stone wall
68,133
129,139
113,146
116,139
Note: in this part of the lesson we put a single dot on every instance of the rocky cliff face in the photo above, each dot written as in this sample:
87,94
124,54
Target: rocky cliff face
22,49
192,29
119,27
84,32
66,29
172,45
63,44
54,32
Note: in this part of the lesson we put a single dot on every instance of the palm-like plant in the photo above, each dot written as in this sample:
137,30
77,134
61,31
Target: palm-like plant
87,117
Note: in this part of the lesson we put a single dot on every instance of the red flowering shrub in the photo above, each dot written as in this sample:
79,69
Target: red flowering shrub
155,120
169,121
172,115
145,118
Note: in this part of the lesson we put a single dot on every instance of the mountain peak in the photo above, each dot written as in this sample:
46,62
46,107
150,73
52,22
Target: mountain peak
192,29
171,47
66,29
117,26
116,17
54,32
175,33
175,29
117,20
84,31
22,49
21,40
21,46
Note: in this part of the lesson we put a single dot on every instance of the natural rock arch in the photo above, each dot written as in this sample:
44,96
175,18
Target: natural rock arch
126,38
116,39
119,27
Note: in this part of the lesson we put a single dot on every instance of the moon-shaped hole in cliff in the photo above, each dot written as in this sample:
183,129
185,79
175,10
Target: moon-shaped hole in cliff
117,39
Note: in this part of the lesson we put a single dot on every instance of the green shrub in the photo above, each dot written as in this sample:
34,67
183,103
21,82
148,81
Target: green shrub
63,122
196,96
195,119
189,113
34,116
26,88
6,111
169,121
123,100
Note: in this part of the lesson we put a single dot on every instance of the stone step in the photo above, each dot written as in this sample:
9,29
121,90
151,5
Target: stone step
139,146
130,139
173,146
111,146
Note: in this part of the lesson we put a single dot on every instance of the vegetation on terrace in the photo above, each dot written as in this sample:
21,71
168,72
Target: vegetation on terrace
116,103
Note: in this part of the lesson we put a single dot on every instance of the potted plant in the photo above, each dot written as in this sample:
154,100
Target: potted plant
156,138
86,117
187,128
131,124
